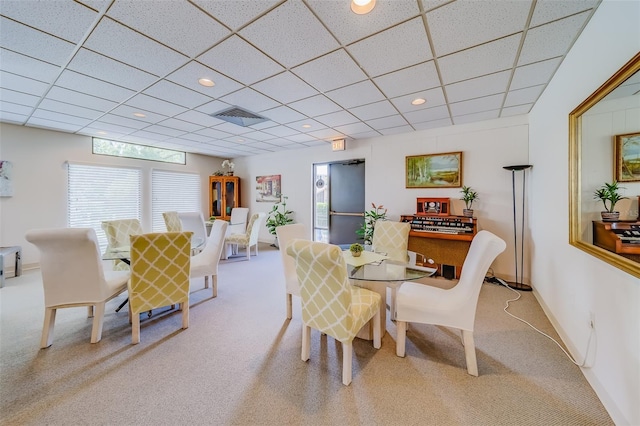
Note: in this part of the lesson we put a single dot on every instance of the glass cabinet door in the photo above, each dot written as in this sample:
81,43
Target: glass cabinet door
229,196
216,198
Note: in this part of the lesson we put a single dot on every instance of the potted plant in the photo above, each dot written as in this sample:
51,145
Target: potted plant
370,219
468,196
356,249
278,216
609,193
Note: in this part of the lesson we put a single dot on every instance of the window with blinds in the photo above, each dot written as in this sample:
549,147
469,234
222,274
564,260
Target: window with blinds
97,193
173,191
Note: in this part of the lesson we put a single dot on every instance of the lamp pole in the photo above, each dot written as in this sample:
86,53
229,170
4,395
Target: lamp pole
518,284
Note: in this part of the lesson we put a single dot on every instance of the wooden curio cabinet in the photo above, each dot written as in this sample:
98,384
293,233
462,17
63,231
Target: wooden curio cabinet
224,195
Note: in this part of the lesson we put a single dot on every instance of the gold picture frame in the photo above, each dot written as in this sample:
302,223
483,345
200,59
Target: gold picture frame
434,170
626,150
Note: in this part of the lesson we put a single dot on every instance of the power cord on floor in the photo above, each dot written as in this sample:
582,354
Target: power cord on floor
492,279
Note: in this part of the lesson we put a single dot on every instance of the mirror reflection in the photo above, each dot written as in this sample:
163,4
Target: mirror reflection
605,184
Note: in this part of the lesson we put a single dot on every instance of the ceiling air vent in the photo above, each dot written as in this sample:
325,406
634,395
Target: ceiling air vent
239,116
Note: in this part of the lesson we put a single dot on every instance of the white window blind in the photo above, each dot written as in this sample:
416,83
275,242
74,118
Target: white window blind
98,193
173,191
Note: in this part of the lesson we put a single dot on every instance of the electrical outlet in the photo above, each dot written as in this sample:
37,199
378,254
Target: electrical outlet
592,320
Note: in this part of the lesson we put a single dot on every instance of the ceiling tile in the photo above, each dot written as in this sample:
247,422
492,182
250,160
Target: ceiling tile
22,84
45,115
57,125
338,118
433,98
315,125
106,69
428,114
259,136
474,118
281,131
485,59
250,100
111,129
235,57
400,46
478,87
409,80
163,130
149,103
473,106
19,109
350,129
164,22
300,138
516,110
331,71
349,27
524,96
18,98
282,115
142,136
127,111
534,74
327,134
425,125
185,126
64,108
355,95
28,67
551,40
233,128
285,87
471,23
550,10
27,41
91,86
374,110
172,92
80,99
200,118
316,105
125,122
396,130
235,13
119,42
290,34
386,122
62,18
189,75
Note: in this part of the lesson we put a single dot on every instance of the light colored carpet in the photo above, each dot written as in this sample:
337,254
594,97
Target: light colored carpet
239,364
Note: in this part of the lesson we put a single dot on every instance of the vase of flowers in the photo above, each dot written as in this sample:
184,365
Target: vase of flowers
228,164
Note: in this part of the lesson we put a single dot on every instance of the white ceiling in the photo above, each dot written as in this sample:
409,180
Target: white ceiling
87,66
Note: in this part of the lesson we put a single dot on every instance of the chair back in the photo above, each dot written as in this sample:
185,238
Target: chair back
172,221
71,265
463,298
286,234
206,262
253,227
325,291
391,238
194,222
238,220
118,231
160,267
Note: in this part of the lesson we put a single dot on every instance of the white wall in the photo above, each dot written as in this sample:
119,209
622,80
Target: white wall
568,282
486,148
40,181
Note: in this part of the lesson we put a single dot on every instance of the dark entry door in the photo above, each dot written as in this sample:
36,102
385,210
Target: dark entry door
346,201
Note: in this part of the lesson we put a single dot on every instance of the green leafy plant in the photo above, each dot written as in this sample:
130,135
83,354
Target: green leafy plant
370,219
356,248
278,216
468,196
609,192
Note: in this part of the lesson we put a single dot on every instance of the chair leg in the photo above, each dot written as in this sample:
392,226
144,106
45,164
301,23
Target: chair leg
90,312
401,326
256,246
289,298
185,314
248,252
214,285
470,352
306,342
225,249
135,328
206,281
377,330
98,320
47,328
347,356
392,304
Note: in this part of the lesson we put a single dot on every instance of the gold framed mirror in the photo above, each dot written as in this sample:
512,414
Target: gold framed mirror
588,170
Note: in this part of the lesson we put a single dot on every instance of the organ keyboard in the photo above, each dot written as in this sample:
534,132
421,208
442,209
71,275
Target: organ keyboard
621,237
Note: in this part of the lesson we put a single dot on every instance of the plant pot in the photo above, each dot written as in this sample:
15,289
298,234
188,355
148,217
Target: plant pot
356,253
467,212
610,216
229,173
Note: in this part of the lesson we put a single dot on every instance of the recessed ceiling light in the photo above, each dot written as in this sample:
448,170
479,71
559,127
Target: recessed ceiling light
306,126
362,7
240,140
139,114
206,82
418,101
101,132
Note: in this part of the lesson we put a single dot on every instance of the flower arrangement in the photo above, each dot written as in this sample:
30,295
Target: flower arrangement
229,164
370,218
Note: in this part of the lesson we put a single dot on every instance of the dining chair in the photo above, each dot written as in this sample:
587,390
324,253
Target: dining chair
73,275
285,234
454,307
248,239
194,222
160,267
118,233
172,221
205,263
238,221
391,238
329,303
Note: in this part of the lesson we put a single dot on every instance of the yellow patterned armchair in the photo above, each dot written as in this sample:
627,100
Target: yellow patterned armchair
160,266
330,304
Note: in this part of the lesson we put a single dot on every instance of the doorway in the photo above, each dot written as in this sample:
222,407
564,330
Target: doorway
339,201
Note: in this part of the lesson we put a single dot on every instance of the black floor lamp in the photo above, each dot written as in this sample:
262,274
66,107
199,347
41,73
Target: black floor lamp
518,284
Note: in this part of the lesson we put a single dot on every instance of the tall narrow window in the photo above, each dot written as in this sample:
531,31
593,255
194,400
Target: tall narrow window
173,191
98,193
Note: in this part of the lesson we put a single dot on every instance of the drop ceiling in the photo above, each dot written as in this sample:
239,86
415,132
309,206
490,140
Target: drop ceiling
313,68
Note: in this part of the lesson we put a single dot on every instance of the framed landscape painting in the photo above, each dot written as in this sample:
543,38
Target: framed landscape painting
627,157
434,170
